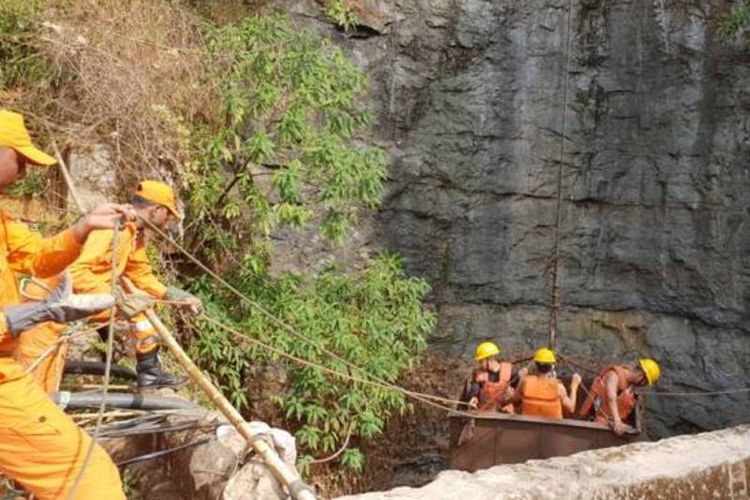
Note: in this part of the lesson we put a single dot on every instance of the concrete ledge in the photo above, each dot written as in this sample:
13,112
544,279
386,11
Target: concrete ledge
712,465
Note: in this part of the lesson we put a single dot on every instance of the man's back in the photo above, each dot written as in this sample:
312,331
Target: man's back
540,396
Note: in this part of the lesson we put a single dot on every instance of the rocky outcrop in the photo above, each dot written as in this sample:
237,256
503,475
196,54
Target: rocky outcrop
93,175
209,459
706,466
470,98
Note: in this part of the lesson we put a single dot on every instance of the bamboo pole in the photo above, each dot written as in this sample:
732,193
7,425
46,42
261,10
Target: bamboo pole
66,177
288,477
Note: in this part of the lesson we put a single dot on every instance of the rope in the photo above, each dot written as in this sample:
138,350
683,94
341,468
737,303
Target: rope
107,369
338,452
275,319
555,300
368,379
372,380
422,397
65,337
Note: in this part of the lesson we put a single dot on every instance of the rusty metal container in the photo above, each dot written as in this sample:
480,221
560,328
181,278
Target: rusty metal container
499,438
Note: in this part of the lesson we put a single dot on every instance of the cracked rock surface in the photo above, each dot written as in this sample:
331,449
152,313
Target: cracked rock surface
470,97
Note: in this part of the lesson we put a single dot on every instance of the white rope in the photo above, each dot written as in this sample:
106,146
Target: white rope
107,368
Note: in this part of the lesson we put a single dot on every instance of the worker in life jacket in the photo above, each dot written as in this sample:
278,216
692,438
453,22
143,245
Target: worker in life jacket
542,394
40,446
492,382
612,398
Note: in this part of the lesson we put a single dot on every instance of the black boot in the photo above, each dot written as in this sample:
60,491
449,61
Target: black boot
150,374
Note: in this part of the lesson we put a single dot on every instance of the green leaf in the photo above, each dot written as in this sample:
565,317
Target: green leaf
353,459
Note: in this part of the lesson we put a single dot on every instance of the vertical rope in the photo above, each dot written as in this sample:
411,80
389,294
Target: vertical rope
555,299
107,369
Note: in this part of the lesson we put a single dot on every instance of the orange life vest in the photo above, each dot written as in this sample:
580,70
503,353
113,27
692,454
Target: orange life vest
491,393
596,405
540,397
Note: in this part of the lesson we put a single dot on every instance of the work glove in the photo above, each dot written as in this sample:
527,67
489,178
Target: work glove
61,306
191,302
130,305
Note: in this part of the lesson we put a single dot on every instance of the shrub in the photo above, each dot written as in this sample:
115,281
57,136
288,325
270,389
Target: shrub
283,150
372,319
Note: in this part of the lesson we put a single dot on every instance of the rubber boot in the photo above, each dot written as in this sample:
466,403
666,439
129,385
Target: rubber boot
150,374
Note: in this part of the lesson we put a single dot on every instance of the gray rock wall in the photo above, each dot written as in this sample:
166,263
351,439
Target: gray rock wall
656,174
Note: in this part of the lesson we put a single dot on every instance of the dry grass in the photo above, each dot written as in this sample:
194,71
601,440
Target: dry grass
130,71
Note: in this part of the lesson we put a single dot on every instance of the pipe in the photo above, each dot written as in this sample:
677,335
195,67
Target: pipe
120,400
97,368
161,453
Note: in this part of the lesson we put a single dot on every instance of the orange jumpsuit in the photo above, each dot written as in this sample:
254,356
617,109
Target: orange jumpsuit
40,446
91,273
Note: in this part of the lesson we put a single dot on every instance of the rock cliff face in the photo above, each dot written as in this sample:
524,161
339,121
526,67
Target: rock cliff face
471,97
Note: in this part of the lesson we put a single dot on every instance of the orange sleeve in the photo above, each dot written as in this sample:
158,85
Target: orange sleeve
29,253
92,271
139,271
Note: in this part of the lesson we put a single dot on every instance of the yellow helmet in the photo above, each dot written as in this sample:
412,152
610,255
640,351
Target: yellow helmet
651,369
544,356
159,193
485,350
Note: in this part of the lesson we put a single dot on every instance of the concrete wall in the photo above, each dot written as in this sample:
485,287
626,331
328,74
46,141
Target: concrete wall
713,465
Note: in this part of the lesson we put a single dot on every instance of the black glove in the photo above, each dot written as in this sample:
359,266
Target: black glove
61,306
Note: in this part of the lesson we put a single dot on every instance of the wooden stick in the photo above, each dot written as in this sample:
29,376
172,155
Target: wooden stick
288,477
66,177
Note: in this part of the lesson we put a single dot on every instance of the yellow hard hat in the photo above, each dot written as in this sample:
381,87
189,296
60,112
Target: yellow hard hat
651,369
544,356
13,134
160,193
485,350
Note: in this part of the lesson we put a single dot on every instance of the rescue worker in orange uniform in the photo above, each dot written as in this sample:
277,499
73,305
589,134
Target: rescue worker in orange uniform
612,398
155,202
542,394
492,382
40,447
